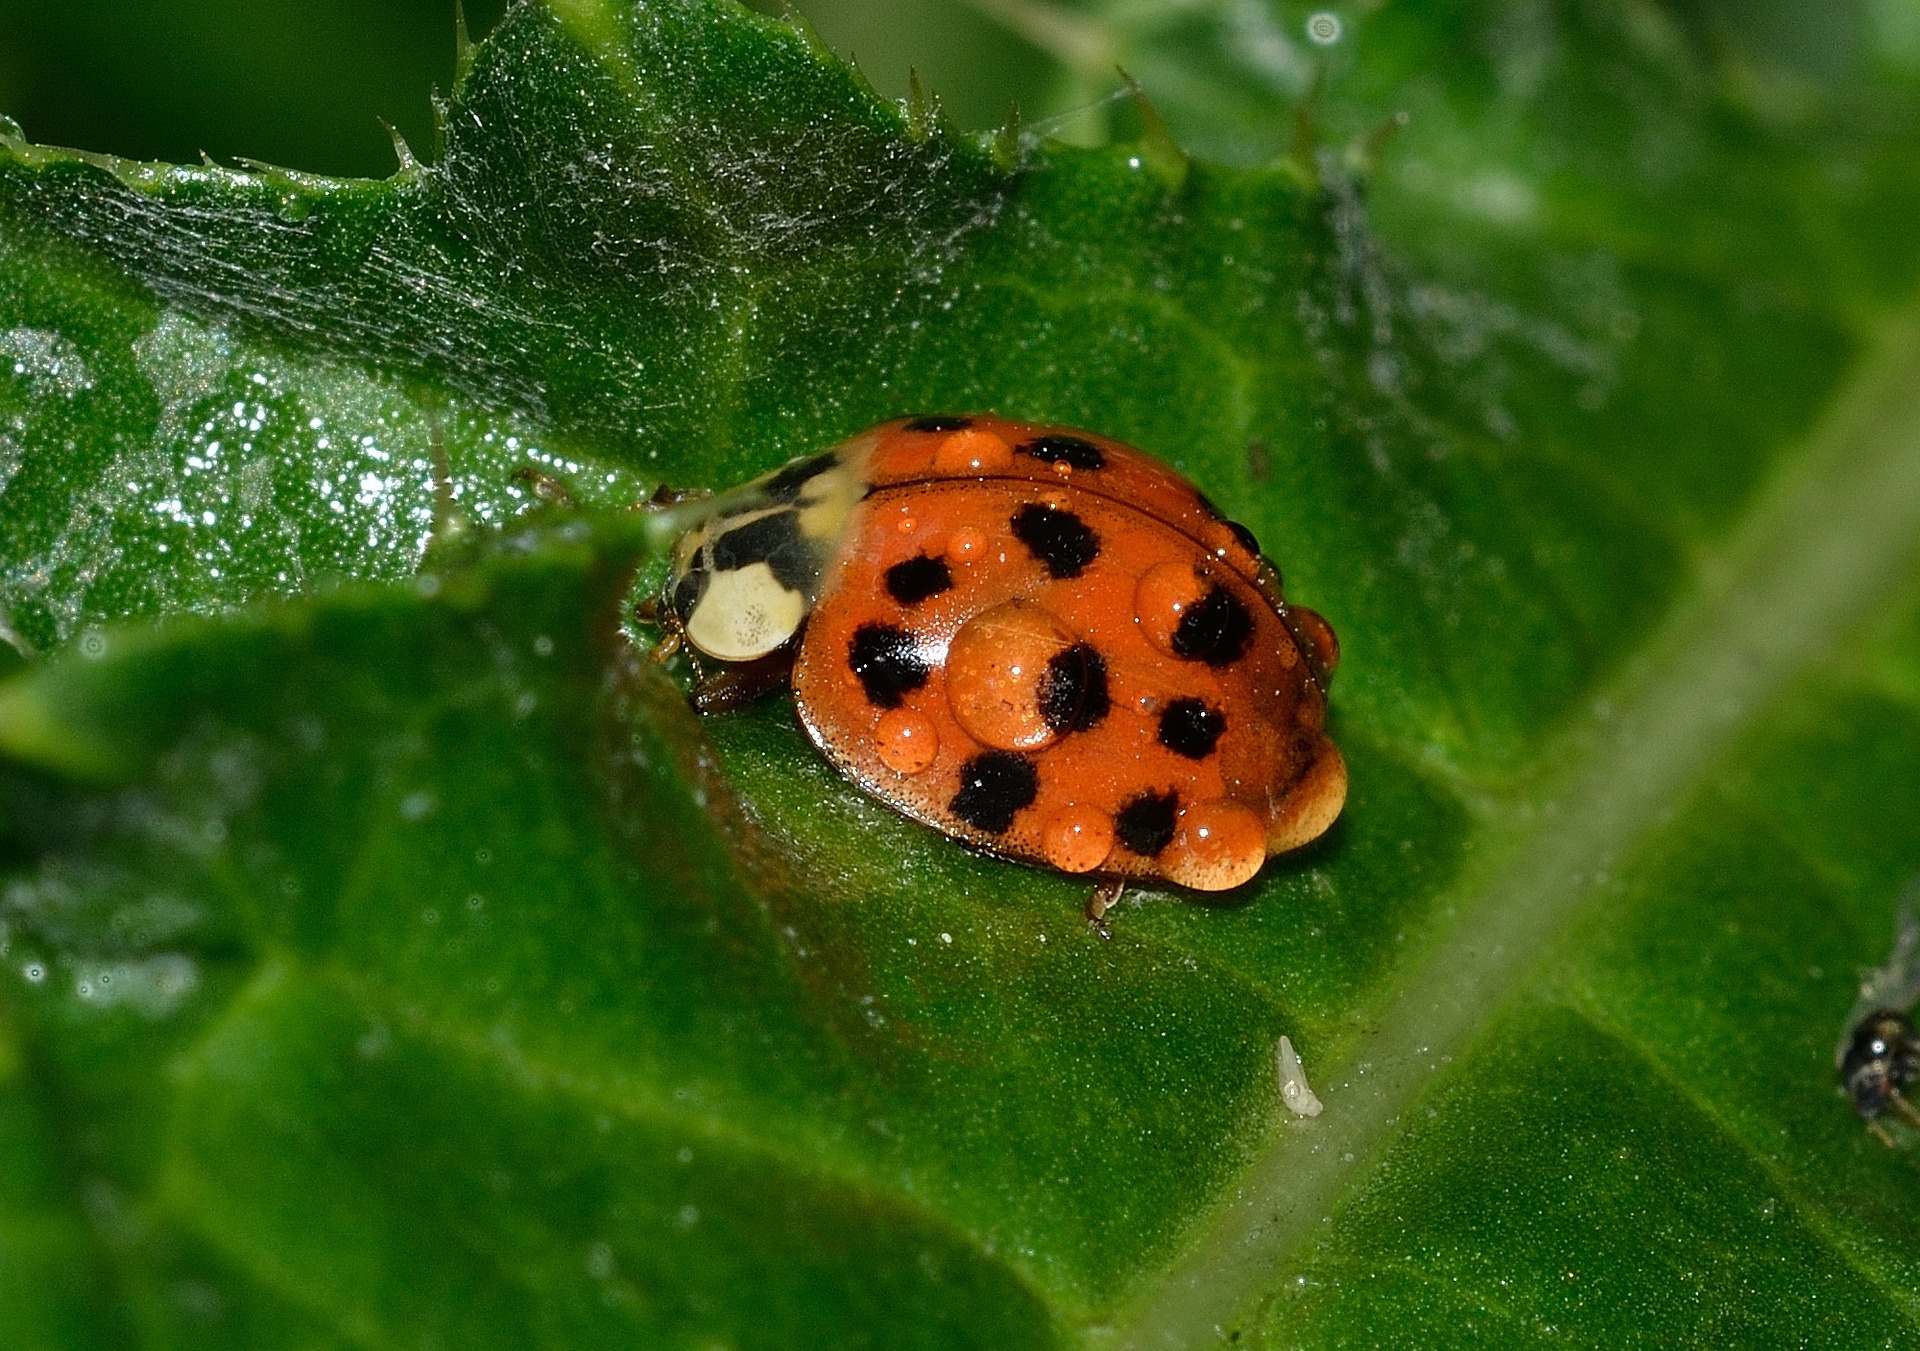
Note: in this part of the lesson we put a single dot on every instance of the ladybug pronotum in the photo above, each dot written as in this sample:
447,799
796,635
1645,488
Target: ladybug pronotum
1039,641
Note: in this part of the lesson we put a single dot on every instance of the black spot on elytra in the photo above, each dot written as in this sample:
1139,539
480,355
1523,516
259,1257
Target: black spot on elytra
1145,823
994,787
1068,450
888,663
940,424
1073,689
773,539
1058,538
1188,727
918,578
687,592
1240,532
1215,630
785,486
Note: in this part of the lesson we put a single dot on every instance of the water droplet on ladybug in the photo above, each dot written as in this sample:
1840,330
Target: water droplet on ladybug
1077,838
1218,844
966,545
994,667
906,740
972,452
1161,597
1318,634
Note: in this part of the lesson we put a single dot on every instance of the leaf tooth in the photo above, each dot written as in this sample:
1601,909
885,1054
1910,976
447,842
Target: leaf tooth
1160,152
923,109
408,164
803,27
860,79
442,114
462,43
1007,143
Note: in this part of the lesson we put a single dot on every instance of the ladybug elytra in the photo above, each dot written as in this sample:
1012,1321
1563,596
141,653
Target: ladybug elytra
1037,640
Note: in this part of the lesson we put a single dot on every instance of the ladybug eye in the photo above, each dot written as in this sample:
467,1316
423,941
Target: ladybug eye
687,593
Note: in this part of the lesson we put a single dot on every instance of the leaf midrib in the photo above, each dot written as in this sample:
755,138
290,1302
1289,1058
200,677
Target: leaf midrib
1835,534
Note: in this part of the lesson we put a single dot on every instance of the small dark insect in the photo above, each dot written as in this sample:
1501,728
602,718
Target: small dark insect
1882,1058
1879,1054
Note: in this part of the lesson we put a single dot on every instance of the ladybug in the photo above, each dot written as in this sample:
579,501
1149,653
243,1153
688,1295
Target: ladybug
1039,641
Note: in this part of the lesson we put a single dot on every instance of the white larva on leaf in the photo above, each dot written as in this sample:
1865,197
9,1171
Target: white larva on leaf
1293,1083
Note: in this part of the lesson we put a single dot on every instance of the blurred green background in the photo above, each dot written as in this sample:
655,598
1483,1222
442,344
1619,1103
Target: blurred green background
305,84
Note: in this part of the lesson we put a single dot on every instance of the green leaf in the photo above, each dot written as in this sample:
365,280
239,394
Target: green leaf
392,956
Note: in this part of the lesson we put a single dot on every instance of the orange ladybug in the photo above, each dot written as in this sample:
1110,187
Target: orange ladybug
1039,641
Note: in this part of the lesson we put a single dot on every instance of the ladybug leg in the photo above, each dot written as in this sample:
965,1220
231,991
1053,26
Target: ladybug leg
649,612
1880,1134
545,486
663,496
1905,1108
1104,898
737,684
